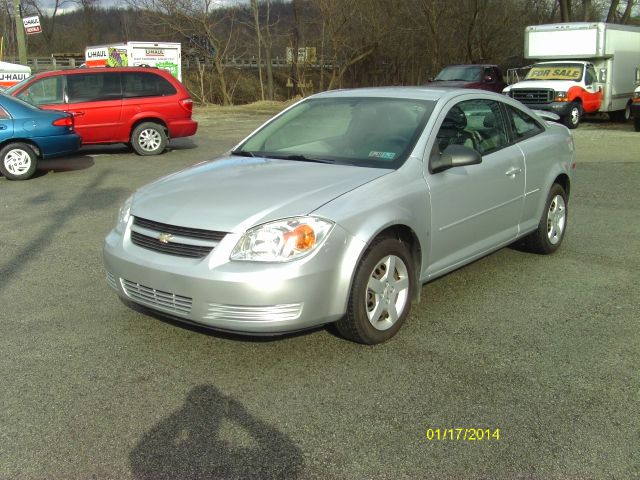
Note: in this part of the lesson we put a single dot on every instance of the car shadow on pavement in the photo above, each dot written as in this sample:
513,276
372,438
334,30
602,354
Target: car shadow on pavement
214,436
64,164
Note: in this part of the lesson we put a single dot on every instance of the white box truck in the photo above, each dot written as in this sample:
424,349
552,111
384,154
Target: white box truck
12,73
583,68
167,56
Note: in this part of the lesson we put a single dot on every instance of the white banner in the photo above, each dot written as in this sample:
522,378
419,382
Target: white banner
32,25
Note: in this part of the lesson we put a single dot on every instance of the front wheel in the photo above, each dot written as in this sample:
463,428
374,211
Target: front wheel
380,298
149,138
18,161
572,119
550,232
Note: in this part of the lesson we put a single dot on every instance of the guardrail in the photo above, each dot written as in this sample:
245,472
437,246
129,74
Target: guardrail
39,64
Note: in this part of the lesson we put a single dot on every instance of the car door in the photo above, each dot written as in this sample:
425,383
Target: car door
593,96
474,208
95,100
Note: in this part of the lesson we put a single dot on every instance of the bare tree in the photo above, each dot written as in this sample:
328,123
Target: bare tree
205,23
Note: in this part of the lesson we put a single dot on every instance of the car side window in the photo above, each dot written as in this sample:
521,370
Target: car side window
524,126
146,84
46,91
476,124
93,87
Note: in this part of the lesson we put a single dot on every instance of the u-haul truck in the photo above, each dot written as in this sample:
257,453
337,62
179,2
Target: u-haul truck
583,68
12,73
134,54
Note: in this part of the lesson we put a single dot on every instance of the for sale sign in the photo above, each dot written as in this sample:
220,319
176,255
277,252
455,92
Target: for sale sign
32,25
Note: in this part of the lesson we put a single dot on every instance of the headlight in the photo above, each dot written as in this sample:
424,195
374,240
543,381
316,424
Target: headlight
561,97
123,215
283,240
636,96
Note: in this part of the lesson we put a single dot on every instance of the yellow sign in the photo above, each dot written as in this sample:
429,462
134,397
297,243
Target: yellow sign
554,73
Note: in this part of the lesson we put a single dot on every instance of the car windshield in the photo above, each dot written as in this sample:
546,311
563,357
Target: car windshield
460,73
556,71
368,132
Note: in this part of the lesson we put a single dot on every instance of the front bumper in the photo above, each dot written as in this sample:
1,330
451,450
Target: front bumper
635,109
245,297
559,108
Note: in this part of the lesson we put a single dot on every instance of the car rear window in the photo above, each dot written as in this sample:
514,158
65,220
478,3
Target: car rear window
146,84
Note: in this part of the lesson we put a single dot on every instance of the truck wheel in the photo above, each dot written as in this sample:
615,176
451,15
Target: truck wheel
621,116
149,138
572,119
18,161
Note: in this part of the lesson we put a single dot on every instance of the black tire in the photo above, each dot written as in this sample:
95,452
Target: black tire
149,138
636,123
621,116
553,223
364,303
18,161
572,119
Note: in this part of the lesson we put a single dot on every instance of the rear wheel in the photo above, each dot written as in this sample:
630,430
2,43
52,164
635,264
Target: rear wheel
18,161
380,298
621,116
550,232
149,138
572,119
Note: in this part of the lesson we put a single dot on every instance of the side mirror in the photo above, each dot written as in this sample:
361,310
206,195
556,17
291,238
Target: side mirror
454,156
602,75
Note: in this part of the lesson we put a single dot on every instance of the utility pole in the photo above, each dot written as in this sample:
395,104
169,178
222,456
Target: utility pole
22,44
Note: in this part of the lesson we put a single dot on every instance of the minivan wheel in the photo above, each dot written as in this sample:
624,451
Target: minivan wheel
18,161
149,138
380,298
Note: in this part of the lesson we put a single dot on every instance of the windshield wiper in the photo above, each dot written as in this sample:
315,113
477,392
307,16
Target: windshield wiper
300,158
242,153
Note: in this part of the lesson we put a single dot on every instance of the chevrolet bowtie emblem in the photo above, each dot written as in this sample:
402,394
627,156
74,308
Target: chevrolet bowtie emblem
165,237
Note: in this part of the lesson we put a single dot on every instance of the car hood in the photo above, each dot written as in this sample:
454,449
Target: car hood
551,84
232,194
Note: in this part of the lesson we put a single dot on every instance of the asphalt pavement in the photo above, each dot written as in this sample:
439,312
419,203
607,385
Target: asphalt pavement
543,349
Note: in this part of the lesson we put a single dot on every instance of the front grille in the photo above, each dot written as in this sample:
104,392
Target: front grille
178,241
157,298
176,230
530,96
170,248
289,311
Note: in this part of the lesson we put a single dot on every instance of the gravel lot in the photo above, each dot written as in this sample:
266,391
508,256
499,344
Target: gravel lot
544,348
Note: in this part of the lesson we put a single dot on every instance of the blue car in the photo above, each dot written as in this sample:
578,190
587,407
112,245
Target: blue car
29,134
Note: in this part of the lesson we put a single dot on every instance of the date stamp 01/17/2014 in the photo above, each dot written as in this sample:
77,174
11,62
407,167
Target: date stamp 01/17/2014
463,434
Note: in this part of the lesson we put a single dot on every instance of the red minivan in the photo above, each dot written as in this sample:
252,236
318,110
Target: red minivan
137,105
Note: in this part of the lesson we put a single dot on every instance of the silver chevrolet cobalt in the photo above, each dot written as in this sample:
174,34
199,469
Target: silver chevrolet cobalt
340,207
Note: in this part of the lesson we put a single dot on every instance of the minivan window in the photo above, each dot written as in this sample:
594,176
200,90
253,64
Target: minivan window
93,87
146,84
46,91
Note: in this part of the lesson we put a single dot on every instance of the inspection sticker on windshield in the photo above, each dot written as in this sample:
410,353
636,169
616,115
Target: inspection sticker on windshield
383,155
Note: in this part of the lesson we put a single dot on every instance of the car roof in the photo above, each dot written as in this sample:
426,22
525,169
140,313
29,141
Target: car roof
80,71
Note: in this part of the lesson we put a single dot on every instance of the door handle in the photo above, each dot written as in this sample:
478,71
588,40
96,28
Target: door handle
77,114
3,127
513,171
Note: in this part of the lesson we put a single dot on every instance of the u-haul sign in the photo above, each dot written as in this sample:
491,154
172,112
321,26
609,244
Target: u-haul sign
32,25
